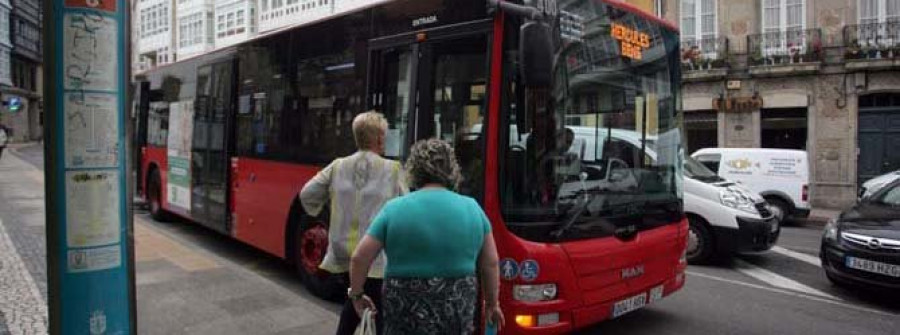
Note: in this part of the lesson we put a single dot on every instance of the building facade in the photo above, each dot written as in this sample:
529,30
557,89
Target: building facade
815,75
274,14
194,24
156,26
20,69
236,21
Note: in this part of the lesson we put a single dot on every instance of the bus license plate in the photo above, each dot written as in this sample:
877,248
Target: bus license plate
629,305
873,266
636,302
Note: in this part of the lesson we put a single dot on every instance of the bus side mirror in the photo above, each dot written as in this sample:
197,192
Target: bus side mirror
536,55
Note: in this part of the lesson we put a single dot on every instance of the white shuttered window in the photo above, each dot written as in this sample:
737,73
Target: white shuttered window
698,24
878,11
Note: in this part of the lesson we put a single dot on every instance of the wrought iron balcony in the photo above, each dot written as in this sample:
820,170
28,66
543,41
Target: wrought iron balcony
873,41
704,54
785,47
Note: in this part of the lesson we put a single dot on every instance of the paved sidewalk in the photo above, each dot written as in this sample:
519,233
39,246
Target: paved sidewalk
180,289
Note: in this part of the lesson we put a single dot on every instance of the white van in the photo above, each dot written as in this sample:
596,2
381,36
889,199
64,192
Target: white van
725,217
780,176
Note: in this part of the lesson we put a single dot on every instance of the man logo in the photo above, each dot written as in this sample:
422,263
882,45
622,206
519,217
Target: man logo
874,244
633,272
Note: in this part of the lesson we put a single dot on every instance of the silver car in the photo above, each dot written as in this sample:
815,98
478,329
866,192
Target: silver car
873,185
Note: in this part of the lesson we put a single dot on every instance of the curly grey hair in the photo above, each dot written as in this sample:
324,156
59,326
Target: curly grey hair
433,161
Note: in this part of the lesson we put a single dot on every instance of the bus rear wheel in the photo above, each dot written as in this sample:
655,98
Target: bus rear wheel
154,195
310,245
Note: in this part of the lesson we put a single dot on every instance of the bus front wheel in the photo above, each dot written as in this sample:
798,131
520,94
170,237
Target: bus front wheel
310,245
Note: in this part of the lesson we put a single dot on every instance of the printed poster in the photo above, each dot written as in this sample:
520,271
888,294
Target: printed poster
91,130
89,60
94,259
93,208
181,128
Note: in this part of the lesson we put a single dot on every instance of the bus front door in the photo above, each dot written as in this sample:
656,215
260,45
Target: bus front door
209,157
433,84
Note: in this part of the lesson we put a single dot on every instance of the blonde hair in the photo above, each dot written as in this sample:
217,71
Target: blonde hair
367,127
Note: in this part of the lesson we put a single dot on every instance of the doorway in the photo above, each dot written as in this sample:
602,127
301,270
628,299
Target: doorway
784,128
879,135
702,129
435,88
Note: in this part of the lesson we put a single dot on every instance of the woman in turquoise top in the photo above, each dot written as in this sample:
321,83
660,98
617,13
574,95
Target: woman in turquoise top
434,240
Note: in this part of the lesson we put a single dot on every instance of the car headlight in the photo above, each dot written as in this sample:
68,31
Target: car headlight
831,230
737,200
534,293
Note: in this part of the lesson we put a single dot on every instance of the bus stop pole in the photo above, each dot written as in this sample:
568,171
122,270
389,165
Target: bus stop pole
88,187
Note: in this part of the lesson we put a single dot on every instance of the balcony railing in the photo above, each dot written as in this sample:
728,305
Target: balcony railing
704,54
873,41
785,47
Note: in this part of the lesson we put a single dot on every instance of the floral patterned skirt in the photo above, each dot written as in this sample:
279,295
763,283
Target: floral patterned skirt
429,305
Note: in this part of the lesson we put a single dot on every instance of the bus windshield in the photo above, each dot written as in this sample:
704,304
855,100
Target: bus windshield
600,149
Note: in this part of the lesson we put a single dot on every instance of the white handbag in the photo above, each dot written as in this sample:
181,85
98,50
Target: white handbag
366,324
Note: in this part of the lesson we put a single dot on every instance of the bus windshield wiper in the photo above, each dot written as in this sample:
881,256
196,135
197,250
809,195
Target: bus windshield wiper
587,198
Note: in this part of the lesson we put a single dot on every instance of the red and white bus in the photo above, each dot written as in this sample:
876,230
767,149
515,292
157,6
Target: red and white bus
564,115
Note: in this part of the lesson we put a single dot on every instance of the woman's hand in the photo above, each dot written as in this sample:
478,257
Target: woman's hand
363,303
495,316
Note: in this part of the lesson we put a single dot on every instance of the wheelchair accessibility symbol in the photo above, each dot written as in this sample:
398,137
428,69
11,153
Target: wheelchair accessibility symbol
529,270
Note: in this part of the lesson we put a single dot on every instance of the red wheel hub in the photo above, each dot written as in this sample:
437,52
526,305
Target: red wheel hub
313,245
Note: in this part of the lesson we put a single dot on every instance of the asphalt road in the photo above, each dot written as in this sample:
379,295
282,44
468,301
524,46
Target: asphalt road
783,291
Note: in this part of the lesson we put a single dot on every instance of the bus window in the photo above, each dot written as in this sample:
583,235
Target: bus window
391,96
459,87
158,124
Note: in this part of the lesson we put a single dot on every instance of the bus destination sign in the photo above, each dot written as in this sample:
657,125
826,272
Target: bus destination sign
633,42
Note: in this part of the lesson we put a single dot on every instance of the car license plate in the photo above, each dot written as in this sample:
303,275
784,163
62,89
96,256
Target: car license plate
873,266
636,302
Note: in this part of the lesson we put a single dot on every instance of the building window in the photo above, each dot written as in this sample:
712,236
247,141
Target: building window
5,72
879,11
23,74
190,30
784,128
4,26
698,24
783,26
701,129
220,26
783,15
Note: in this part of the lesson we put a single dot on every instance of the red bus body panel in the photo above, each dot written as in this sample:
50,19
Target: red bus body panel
262,194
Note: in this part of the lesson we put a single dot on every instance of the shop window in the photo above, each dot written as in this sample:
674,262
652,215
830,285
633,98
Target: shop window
784,128
702,129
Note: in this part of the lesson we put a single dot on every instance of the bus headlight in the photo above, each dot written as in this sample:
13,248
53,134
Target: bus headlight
534,293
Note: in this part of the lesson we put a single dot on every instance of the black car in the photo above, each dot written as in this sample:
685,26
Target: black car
863,245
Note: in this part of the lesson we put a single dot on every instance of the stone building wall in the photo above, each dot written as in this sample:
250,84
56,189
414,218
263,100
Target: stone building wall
829,92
